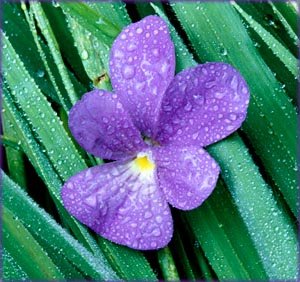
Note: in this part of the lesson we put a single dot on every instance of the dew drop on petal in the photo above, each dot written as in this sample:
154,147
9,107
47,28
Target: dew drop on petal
155,52
131,47
188,107
156,232
215,108
234,82
139,30
159,219
147,214
153,244
199,100
219,95
128,72
230,127
232,116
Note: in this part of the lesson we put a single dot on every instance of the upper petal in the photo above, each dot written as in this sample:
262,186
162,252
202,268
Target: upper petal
187,175
142,64
203,105
101,126
121,204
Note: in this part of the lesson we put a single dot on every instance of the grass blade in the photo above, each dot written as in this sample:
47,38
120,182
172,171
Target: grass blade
47,31
271,230
25,250
10,268
167,264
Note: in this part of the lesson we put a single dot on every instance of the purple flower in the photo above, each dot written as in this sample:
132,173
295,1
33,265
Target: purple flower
154,126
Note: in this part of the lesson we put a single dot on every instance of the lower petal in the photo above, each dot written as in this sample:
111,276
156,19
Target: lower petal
187,175
121,203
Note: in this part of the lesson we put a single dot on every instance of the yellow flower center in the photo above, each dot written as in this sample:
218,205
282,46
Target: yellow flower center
144,164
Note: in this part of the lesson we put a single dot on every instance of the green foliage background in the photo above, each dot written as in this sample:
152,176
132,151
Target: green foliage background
52,53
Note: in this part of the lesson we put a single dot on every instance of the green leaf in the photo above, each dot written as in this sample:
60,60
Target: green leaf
128,263
167,264
92,21
25,249
47,31
278,57
115,12
15,156
274,22
218,227
37,109
270,228
10,268
177,246
94,54
20,36
279,50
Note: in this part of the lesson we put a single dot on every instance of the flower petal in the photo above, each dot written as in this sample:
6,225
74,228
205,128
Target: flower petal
186,175
203,105
120,203
142,64
101,126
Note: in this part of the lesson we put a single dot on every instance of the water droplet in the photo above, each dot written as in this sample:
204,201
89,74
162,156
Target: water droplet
139,30
215,108
188,107
40,73
234,82
159,219
195,135
118,54
230,127
210,84
233,116
131,47
153,244
147,214
156,232
84,55
155,52
223,51
128,72
219,95
100,21
167,108
198,99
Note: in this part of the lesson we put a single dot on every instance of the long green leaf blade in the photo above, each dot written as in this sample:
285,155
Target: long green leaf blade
24,248
271,230
10,268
